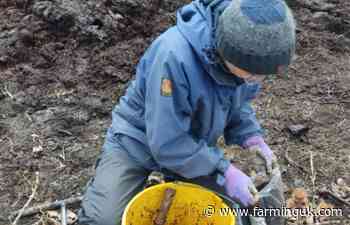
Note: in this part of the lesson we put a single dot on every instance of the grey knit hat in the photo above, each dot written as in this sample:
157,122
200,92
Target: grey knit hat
257,35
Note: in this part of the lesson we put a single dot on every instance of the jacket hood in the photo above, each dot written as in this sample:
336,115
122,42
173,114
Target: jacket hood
197,23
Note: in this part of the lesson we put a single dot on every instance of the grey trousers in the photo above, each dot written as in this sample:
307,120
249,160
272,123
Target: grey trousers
118,178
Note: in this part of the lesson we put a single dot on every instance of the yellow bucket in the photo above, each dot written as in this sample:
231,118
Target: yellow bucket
192,205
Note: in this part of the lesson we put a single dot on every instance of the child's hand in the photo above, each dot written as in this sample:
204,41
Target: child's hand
258,143
240,187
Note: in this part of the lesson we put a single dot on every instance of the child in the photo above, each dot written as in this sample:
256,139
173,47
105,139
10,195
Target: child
194,83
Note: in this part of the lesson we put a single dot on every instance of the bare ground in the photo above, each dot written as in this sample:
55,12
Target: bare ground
62,72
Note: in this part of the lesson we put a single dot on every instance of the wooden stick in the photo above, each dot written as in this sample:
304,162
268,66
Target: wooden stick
47,206
303,169
34,189
290,161
313,178
164,207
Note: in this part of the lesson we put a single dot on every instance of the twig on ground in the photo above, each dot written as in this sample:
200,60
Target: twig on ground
64,131
48,206
19,196
28,116
6,91
300,167
313,179
293,163
324,192
34,190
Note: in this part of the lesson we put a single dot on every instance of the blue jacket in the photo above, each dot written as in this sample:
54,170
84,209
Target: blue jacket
181,100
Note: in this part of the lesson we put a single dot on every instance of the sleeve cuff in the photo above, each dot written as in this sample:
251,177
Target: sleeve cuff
223,165
253,140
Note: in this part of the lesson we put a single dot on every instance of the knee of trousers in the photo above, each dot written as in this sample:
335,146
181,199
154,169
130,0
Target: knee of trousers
92,215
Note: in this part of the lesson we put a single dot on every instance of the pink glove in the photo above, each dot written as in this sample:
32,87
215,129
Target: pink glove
264,149
239,186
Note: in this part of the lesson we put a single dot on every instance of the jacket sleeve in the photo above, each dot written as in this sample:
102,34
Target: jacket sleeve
168,121
242,125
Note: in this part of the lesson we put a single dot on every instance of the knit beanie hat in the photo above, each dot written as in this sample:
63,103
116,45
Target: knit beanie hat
257,35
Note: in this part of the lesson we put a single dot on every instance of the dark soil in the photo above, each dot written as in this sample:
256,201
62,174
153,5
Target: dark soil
64,64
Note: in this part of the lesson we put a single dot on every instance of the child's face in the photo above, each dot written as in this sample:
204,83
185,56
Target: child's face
245,75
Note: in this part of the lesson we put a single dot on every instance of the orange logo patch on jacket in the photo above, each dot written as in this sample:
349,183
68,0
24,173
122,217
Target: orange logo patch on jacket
166,87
